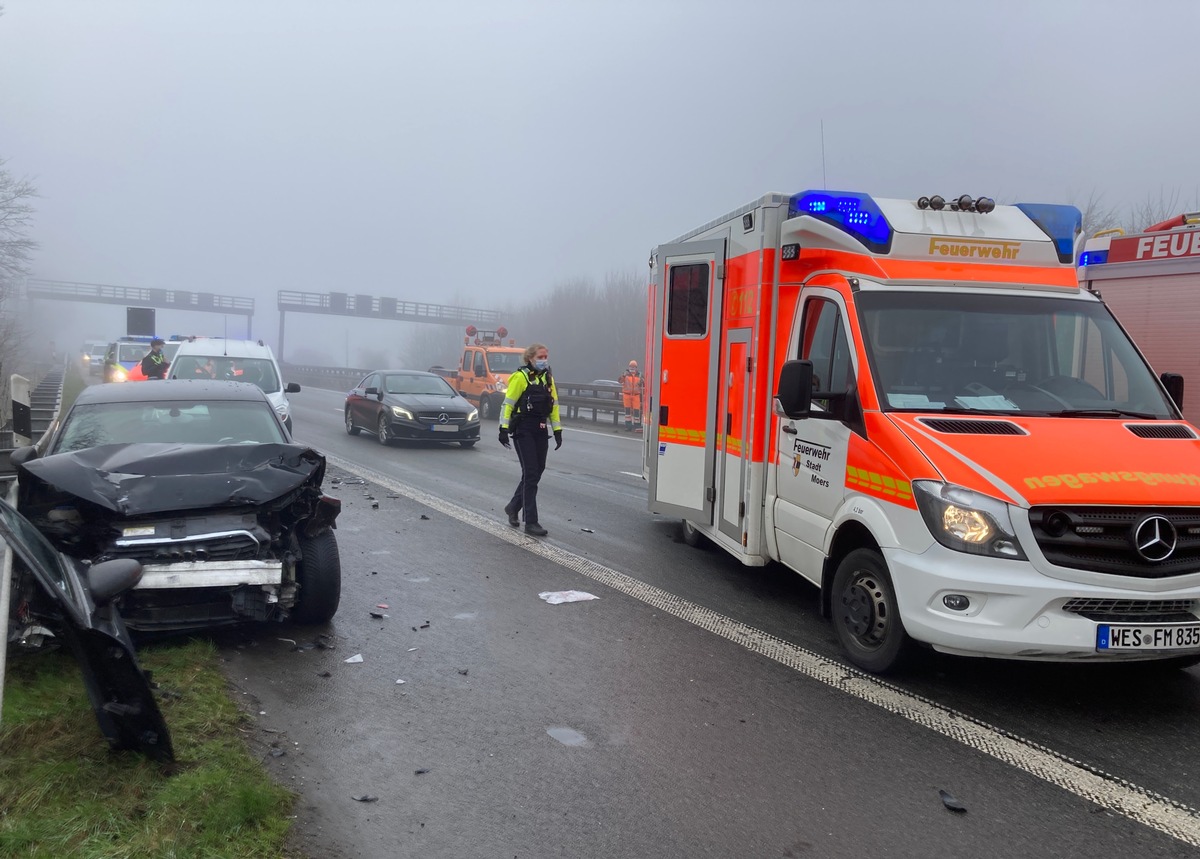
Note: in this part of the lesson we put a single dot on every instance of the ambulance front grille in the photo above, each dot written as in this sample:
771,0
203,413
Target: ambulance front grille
1133,611
1101,539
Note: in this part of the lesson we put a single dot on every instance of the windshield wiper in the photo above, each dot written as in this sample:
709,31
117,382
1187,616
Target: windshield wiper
1105,413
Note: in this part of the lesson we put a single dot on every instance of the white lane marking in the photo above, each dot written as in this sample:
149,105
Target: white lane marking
631,474
1085,781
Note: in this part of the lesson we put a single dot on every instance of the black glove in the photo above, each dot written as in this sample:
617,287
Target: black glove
557,439
504,437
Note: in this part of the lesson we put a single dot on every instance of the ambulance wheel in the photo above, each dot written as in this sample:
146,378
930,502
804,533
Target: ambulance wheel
351,429
866,615
692,535
319,575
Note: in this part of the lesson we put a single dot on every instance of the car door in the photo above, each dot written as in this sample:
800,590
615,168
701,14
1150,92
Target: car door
117,687
359,404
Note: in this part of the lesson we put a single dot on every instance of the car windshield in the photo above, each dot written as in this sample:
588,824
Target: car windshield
215,422
257,371
504,362
406,383
937,351
132,351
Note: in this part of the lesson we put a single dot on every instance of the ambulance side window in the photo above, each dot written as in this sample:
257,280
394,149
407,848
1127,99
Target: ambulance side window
823,341
687,300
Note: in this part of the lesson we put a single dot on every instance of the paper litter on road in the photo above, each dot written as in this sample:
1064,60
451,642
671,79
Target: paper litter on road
355,658
400,682
556,597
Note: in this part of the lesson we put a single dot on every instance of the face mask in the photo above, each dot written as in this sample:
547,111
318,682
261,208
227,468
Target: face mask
540,365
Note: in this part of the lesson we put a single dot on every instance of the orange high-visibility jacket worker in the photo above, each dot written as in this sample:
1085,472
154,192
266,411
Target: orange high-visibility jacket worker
631,394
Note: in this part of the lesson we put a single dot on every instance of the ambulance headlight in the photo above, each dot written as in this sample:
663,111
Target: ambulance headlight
967,521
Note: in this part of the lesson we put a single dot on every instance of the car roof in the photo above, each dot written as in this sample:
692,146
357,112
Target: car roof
218,347
171,390
406,373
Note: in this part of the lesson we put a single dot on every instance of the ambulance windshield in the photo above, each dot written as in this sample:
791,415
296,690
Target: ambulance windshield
936,351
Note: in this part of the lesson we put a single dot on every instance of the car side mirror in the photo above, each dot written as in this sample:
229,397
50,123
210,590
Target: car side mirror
292,388
109,579
1173,382
22,455
793,396
371,391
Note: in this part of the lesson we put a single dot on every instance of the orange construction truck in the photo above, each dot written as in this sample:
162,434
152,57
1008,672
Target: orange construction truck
482,374
914,405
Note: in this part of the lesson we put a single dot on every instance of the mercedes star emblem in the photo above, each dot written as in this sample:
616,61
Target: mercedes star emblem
445,418
1154,538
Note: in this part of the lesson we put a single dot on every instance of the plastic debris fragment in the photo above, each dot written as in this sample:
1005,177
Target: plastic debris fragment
557,597
355,658
950,802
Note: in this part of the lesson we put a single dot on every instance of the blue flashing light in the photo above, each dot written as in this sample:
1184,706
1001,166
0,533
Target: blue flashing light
854,212
1061,223
1093,258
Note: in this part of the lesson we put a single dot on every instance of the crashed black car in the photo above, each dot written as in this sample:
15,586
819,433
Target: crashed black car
59,600
199,482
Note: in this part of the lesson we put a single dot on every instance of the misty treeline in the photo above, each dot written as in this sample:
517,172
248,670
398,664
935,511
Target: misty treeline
593,330
16,249
1099,214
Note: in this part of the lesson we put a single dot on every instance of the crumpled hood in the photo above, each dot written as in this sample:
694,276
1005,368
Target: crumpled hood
138,479
1063,460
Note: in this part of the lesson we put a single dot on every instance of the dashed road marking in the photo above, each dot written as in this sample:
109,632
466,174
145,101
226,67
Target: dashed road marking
1083,780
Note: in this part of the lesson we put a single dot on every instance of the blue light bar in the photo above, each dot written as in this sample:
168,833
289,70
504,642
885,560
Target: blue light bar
1093,257
854,212
1061,223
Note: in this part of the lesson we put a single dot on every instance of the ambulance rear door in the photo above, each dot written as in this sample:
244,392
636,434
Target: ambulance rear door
689,279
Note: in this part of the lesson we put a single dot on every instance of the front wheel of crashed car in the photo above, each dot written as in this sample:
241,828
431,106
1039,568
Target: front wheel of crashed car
319,577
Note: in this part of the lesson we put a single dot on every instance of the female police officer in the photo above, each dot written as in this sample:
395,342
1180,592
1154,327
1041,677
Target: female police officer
530,403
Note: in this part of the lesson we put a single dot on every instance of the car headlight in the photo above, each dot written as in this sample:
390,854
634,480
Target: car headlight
402,413
473,415
967,521
119,374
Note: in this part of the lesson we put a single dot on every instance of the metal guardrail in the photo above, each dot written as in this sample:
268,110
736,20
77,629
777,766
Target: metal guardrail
577,400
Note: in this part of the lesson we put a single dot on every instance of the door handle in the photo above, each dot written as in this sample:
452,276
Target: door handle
789,429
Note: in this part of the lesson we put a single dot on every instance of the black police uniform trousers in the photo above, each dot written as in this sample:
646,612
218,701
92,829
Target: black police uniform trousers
532,445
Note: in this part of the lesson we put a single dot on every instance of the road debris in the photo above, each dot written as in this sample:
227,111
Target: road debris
289,641
278,753
323,642
374,505
382,605
950,802
463,671
366,797
356,658
400,682
557,597
587,530
411,649
421,771
425,625
324,674
378,615
423,516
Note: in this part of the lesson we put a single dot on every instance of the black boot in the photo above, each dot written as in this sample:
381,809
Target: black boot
535,529
513,518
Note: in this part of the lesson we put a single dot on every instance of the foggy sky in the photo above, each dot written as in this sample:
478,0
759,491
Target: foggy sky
487,150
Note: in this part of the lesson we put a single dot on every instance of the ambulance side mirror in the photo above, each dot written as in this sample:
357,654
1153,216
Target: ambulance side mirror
793,396
1173,382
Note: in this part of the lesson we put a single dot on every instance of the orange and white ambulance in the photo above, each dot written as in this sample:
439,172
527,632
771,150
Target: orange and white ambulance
914,405
1150,281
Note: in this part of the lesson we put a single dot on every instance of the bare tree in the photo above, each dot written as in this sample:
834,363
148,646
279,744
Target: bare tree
16,248
1097,214
1153,210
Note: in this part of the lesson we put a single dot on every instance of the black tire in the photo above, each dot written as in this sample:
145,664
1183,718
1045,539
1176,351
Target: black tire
866,616
383,431
692,535
470,443
319,575
351,429
489,407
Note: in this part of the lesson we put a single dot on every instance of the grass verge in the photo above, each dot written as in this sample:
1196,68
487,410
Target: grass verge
63,793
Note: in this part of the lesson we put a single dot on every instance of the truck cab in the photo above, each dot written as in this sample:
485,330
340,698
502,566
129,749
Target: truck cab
482,374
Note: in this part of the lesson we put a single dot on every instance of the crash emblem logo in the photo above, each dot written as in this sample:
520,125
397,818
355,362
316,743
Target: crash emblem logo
443,418
1155,538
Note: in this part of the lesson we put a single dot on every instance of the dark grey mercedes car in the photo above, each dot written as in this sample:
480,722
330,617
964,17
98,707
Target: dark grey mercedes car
410,404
